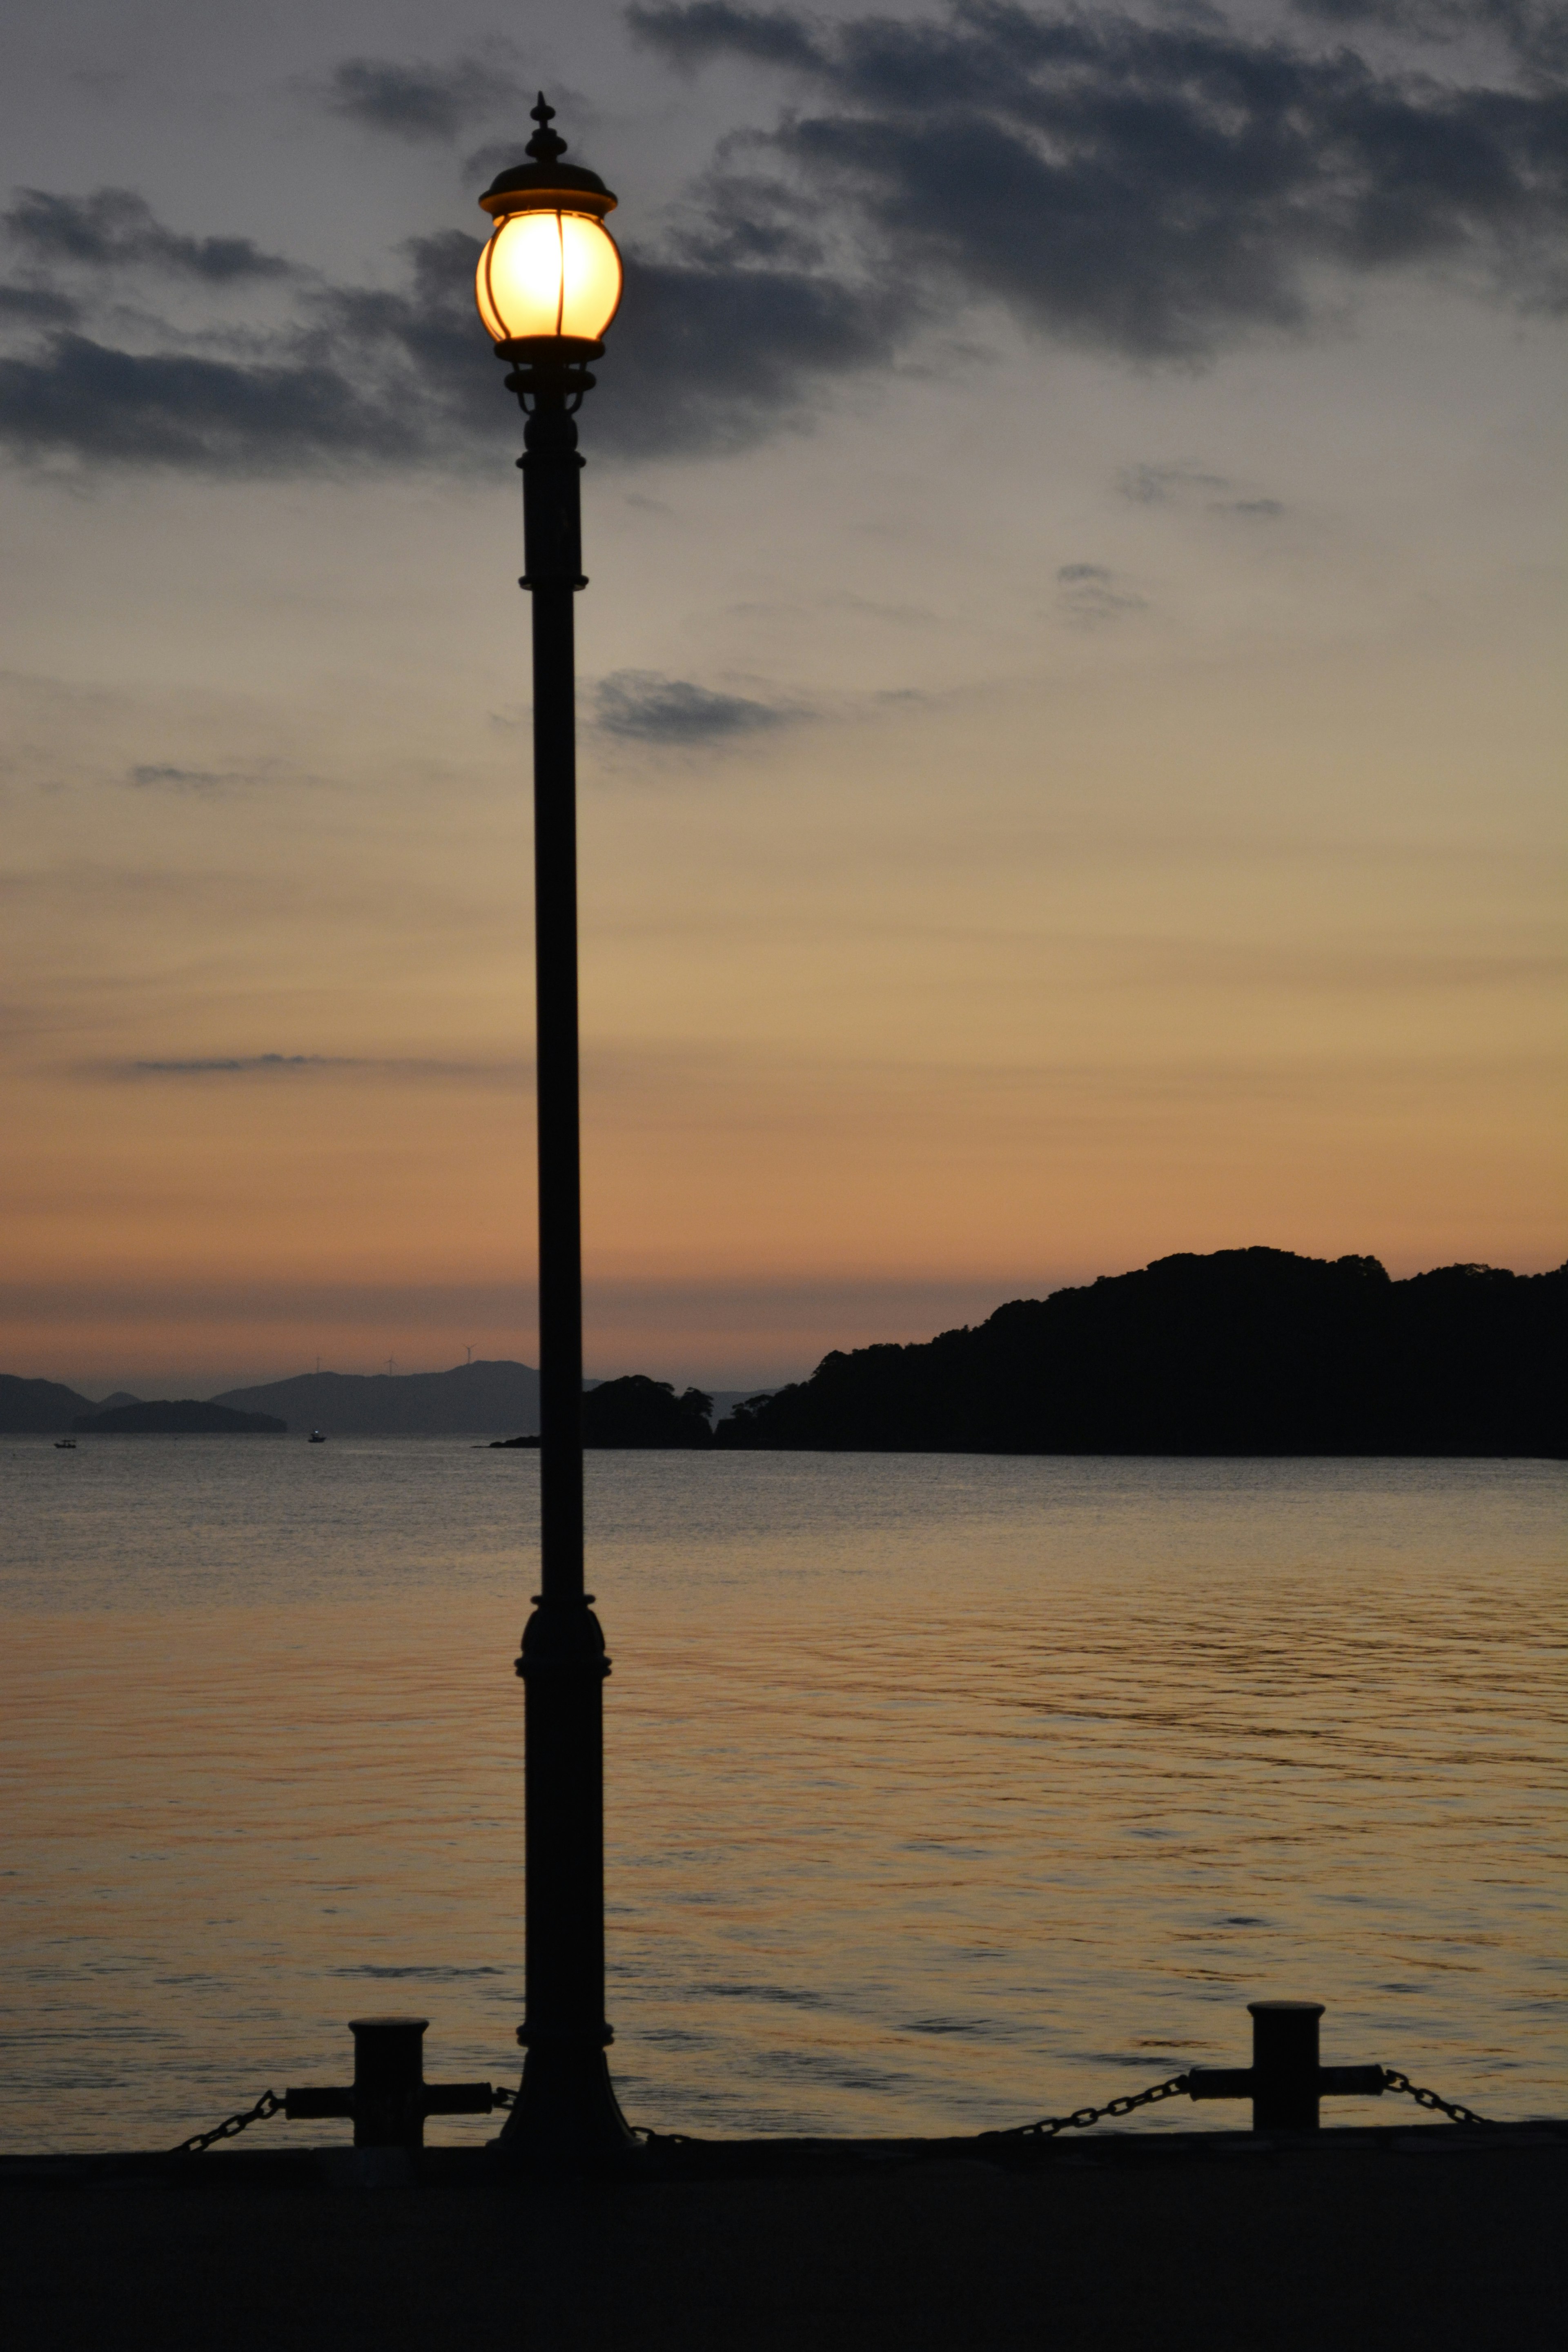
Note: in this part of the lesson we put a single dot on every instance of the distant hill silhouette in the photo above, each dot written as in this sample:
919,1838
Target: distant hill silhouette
38,1408
1246,1351
178,1417
636,1411
486,1399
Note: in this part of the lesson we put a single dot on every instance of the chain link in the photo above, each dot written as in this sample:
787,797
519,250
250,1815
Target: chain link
1080,2119
1393,2080
269,2103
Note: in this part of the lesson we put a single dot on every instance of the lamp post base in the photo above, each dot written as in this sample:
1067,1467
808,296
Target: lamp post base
566,2115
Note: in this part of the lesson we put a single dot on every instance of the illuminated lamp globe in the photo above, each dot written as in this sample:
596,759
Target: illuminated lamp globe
549,278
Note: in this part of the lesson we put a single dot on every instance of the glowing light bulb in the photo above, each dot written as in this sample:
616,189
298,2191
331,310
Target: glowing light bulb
548,275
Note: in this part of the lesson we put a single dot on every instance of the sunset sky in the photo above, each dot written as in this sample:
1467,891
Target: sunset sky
1070,690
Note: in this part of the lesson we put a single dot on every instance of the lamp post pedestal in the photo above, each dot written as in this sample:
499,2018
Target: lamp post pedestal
566,2110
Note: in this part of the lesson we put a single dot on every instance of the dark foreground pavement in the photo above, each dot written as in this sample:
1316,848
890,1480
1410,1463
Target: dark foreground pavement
1434,2236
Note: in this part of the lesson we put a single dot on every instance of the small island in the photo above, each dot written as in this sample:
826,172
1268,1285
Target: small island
637,1411
178,1417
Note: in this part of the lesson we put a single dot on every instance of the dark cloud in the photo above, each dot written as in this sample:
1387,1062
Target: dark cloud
243,1062
508,1074
1156,189
1091,594
83,400
705,355
422,102
186,779
37,306
487,163
1185,484
114,228
1155,486
710,355
351,378
677,715
689,37
1536,31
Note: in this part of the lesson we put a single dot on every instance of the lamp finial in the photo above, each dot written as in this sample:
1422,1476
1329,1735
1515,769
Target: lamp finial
545,146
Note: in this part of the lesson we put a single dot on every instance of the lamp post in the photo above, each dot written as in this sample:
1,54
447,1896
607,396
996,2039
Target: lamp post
548,284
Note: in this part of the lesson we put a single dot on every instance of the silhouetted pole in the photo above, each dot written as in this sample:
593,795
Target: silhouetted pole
549,217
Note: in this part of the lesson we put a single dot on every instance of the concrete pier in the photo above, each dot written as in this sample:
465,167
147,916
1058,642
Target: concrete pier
1431,2235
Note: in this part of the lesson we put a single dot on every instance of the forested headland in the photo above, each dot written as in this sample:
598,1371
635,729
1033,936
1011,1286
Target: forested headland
1250,1351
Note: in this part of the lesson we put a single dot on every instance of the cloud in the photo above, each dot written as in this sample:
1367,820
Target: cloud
712,355
1156,485
115,228
1536,31
352,377
85,400
508,1073
1158,190
706,356
671,712
43,306
690,36
187,779
421,102
1091,595
236,1062
487,161
1186,483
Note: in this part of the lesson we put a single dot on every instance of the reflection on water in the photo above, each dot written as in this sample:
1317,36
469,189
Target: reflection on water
943,1791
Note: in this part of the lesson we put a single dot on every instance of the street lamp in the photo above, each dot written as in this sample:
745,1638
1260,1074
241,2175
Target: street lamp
548,283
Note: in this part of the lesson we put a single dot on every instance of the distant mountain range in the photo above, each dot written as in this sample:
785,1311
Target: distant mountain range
178,1417
471,1400
1253,1352
40,1408
486,1399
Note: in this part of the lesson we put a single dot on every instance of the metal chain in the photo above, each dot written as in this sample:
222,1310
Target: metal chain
269,2103
1046,2127
1082,2117
1393,2080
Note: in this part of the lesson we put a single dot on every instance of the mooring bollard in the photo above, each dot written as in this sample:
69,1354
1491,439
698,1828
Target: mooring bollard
389,2097
1285,2081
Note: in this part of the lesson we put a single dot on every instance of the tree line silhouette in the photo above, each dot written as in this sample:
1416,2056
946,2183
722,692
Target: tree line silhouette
1244,1352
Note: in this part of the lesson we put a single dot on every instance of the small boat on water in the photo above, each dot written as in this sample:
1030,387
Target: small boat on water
318,1438
65,1445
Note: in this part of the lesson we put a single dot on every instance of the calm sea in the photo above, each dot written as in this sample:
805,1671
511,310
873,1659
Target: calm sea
943,1792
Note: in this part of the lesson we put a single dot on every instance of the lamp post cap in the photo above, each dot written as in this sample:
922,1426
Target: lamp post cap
544,183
